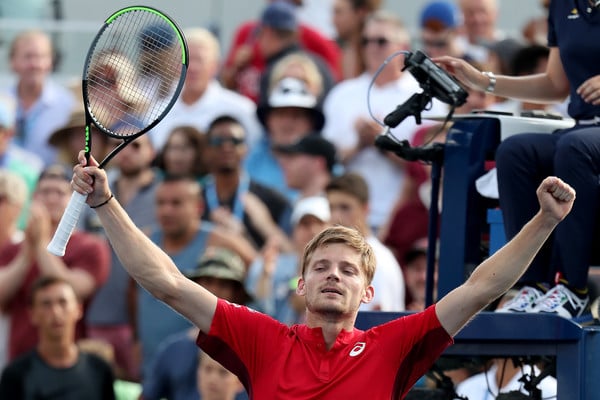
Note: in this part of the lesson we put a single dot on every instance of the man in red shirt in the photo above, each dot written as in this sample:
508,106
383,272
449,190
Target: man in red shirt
327,357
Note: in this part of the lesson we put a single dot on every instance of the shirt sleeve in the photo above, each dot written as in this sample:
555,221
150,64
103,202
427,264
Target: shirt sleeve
11,385
240,338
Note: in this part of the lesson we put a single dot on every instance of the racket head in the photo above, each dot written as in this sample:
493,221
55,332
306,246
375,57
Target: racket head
134,72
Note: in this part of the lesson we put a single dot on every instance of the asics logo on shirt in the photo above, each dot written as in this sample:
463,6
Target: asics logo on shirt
357,349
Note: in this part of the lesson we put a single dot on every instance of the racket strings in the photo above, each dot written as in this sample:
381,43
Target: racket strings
133,73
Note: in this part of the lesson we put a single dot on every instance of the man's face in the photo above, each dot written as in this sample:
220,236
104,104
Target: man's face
287,125
178,208
55,311
32,59
438,43
346,19
297,168
226,147
222,288
215,382
334,284
54,194
380,40
203,65
136,157
346,209
480,18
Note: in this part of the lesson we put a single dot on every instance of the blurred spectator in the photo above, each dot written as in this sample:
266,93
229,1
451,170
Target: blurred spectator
308,164
54,366
246,61
85,264
173,372
111,314
42,105
348,197
298,66
414,269
16,159
183,235
184,153
535,31
349,19
291,113
353,131
202,98
69,140
317,14
13,195
215,382
502,55
232,198
441,23
277,37
480,23
272,277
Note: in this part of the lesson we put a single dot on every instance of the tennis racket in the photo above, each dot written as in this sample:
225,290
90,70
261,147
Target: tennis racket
132,76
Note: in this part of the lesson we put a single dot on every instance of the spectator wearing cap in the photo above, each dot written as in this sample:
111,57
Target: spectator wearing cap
232,198
272,277
277,37
351,128
202,97
291,113
440,23
173,372
85,264
245,61
70,139
308,164
14,158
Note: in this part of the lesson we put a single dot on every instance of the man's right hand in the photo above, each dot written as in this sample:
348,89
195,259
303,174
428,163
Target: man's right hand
556,197
90,180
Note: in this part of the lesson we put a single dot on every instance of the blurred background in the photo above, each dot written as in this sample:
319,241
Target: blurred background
73,23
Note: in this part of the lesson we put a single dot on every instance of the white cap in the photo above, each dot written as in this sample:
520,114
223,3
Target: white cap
291,92
317,206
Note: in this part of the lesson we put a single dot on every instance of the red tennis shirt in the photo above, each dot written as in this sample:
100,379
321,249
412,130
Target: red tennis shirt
275,361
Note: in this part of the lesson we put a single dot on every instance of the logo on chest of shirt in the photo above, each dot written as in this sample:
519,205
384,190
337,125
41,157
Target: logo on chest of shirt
357,349
574,14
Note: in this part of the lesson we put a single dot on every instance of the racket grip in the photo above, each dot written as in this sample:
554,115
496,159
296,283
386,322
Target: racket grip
66,225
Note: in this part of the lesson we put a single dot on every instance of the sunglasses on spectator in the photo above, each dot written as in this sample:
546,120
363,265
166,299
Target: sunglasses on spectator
379,41
435,43
217,141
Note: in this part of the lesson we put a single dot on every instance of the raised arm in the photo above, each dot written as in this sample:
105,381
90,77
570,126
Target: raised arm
550,86
151,267
501,271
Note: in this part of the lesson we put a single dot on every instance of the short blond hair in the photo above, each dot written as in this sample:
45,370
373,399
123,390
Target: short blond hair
346,236
12,187
205,37
309,71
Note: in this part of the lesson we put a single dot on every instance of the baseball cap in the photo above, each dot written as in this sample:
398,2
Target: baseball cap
440,15
314,145
292,92
317,206
157,36
221,263
280,15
